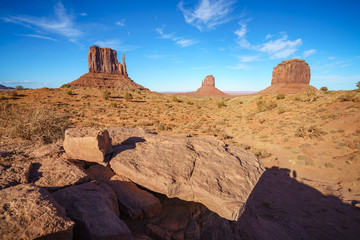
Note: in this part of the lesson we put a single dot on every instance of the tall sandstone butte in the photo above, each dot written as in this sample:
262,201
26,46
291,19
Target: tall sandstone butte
208,88
290,76
105,71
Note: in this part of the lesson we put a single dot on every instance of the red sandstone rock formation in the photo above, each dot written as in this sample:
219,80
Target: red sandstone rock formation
105,71
208,88
290,76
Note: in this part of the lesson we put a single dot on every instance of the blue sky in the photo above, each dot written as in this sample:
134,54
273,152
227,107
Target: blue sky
172,45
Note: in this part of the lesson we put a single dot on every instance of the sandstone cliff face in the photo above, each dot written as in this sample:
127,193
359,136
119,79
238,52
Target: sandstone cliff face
290,76
208,88
105,71
291,71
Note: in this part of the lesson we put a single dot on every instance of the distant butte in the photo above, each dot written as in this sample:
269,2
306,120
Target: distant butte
106,72
208,88
290,76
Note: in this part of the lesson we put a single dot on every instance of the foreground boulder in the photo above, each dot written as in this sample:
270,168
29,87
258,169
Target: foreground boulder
87,144
54,173
29,212
14,174
95,211
202,170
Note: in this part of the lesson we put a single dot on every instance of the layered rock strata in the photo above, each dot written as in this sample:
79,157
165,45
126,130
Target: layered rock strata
290,76
105,71
208,88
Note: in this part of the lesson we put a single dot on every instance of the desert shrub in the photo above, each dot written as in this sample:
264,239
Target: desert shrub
189,103
106,94
280,96
241,102
19,88
12,94
69,92
263,106
161,127
65,86
221,104
281,110
128,96
261,153
139,92
347,97
297,99
358,84
175,99
302,159
309,132
329,165
35,124
113,105
311,95
132,90
324,89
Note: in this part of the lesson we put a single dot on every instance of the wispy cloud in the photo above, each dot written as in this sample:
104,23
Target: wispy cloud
248,58
331,58
183,42
309,52
276,48
241,66
116,44
38,36
121,23
62,24
207,14
83,14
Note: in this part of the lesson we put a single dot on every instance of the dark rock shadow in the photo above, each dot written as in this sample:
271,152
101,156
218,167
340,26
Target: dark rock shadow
34,173
127,144
279,198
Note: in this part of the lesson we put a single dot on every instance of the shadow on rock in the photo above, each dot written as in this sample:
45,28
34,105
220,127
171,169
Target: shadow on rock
279,198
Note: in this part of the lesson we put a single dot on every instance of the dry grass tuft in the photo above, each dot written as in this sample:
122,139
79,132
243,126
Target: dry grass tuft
35,124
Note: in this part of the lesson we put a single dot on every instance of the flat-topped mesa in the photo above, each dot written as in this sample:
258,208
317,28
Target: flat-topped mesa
105,71
104,60
208,88
208,81
290,76
291,71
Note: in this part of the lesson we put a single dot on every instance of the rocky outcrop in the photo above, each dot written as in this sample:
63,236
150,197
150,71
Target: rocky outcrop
29,212
4,87
95,210
208,88
14,174
193,169
104,60
87,144
290,76
105,71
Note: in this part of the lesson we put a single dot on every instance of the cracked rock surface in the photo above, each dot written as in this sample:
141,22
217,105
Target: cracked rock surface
197,169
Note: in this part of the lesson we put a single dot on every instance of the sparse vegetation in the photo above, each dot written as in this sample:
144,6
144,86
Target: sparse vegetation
19,88
69,92
65,86
263,106
347,97
221,104
175,99
106,95
128,96
280,96
311,95
309,132
35,124
324,89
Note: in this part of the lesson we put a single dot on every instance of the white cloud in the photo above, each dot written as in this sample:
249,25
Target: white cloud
207,14
38,36
240,66
155,56
309,52
269,36
83,14
121,23
62,24
248,58
277,48
183,42
331,58
115,44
